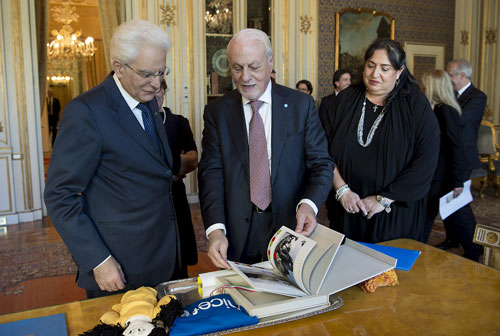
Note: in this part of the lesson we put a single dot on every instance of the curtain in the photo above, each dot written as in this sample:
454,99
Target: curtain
110,18
42,34
94,69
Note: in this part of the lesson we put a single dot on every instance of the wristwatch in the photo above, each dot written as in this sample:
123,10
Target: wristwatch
385,202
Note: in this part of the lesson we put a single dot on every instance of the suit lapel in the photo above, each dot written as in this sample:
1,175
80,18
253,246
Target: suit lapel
280,120
237,128
127,120
463,97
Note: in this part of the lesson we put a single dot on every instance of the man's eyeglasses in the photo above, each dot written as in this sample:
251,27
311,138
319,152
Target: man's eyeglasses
150,75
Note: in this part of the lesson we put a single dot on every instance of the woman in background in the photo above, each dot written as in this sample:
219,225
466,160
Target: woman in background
384,139
185,160
450,172
305,86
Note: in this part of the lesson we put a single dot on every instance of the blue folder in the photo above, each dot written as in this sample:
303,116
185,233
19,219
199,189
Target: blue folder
52,325
406,258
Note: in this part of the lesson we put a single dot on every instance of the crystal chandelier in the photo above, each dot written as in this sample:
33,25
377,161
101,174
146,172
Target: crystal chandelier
66,44
219,16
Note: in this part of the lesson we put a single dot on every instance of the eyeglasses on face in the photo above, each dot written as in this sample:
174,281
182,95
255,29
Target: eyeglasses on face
150,75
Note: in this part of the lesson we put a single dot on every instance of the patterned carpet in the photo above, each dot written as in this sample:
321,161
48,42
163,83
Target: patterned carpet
20,264
52,259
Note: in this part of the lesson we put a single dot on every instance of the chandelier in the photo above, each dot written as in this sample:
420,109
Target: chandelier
66,44
219,17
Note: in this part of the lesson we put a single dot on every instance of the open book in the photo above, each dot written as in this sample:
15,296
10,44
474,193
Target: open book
297,264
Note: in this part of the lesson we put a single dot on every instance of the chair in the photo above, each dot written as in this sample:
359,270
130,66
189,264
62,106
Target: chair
489,153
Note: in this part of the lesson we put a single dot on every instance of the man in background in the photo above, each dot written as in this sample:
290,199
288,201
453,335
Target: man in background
265,161
460,225
109,183
341,80
53,109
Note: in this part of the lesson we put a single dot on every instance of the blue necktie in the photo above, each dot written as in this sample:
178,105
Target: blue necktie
147,119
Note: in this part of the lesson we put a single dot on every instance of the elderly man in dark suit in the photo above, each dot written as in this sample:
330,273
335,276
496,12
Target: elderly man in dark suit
265,161
109,183
461,224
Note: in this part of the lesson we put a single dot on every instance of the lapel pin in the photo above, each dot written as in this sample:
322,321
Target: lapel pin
285,105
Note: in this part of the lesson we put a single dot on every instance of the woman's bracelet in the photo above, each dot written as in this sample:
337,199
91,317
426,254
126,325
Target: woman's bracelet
341,191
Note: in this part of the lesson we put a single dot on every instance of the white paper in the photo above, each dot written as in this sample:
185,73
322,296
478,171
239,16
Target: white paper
448,204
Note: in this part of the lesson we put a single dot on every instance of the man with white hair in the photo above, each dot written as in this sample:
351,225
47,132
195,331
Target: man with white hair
108,189
265,161
461,224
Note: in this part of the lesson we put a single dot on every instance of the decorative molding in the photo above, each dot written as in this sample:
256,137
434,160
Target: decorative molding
168,15
305,24
464,37
491,36
92,3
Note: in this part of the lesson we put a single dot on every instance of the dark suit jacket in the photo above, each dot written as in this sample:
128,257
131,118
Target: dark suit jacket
108,189
53,113
324,107
473,102
301,166
451,165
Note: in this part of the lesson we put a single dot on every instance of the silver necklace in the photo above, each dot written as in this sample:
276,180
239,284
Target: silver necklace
369,138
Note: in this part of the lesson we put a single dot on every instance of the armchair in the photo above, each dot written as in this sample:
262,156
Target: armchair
489,153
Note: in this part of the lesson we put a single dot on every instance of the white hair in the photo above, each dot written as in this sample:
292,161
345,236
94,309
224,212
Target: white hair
251,34
463,66
132,36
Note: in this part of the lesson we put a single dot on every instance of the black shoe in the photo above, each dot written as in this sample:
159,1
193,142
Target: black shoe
446,245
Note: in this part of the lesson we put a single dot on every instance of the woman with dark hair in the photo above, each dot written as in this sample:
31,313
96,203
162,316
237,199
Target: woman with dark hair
305,86
384,139
185,160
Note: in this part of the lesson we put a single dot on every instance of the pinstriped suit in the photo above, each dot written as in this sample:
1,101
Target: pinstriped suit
108,189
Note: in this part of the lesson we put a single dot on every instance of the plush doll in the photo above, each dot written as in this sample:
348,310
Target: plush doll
139,313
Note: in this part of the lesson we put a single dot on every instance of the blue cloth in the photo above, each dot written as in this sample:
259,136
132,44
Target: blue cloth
212,314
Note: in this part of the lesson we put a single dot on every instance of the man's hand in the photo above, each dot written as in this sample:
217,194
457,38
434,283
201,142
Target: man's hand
306,220
217,249
109,276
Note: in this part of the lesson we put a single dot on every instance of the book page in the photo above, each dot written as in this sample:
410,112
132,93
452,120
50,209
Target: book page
266,280
320,259
287,252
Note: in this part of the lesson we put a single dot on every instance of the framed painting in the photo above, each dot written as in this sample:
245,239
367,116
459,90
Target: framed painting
355,30
423,57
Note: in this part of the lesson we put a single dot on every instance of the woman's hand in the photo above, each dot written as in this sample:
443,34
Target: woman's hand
351,203
372,206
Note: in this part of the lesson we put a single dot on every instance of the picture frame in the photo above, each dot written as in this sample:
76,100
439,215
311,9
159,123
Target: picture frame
422,57
356,28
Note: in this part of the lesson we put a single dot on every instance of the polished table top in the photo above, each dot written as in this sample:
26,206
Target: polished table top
443,294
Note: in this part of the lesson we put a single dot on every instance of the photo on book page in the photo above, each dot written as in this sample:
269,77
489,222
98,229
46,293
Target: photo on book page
265,280
287,252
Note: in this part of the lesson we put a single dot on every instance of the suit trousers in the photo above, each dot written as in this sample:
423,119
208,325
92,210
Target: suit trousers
260,232
459,227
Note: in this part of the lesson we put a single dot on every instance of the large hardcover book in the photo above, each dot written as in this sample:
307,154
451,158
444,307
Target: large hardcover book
303,272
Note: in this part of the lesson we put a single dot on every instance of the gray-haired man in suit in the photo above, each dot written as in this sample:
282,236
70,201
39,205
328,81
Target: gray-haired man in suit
109,183
460,225
243,203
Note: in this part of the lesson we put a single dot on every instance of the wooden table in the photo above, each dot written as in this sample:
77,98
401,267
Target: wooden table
443,294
